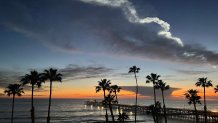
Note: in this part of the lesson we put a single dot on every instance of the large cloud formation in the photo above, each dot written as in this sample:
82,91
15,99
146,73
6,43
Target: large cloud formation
100,26
75,72
70,72
148,91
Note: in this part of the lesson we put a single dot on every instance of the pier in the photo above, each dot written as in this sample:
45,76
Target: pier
174,113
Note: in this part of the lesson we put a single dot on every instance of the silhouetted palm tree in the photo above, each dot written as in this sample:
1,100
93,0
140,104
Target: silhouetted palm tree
104,85
109,99
51,75
34,78
153,78
115,89
153,109
135,70
216,89
13,89
162,86
122,117
204,83
193,98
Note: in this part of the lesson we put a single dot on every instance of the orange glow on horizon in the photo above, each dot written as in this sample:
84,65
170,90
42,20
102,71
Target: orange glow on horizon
89,93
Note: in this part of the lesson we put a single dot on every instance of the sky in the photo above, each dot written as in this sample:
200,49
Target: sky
89,40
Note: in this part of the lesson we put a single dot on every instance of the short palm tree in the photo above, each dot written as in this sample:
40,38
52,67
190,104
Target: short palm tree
34,79
151,109
203,82
163,86
13,89
122,117
116,89
193,98
109,100
135,70
216,89
153,78
103,85
51,75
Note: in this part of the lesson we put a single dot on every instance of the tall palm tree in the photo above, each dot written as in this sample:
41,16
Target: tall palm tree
163,86
34,79
216,89
116,89
135,70
193,98
51,75
104,85
203,82
153,78
13,89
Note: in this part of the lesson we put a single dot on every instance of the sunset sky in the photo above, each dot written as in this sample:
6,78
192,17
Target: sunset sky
89,40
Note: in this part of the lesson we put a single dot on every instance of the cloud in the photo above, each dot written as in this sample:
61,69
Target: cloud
1,94
75,72
43,88
11,77
193,72
133,17
110,27
8,77
70,72
148,91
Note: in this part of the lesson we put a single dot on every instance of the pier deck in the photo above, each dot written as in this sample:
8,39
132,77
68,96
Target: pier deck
177,113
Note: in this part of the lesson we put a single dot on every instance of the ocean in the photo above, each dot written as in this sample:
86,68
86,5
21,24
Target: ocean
75,110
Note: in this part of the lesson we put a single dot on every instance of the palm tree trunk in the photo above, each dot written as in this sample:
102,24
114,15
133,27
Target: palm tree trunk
155,107
117,102
205,107
164,107
106,115
136,98
153,115
49,105
196,114
32,110
111,110
12,113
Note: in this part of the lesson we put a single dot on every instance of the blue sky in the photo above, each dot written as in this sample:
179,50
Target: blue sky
111,35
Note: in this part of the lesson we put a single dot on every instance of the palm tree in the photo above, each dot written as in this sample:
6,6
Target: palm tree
13,89
193,98
103,85
51,75
122,117
204,83
151,110
109,99
153,78
34,78
216,89
115,89
162,86
135,70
